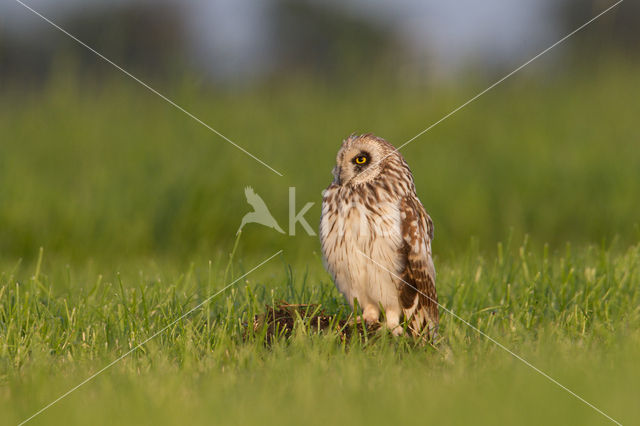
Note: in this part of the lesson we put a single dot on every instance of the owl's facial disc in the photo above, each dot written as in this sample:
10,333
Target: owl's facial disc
355,166
359,160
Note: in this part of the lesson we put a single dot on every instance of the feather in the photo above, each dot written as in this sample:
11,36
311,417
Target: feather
418,291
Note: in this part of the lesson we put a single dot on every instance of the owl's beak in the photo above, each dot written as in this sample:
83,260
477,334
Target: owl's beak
336,175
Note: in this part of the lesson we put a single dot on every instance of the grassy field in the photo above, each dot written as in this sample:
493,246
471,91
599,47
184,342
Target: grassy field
575,315
533,190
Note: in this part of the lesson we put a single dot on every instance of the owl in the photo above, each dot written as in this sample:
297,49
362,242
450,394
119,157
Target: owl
376,237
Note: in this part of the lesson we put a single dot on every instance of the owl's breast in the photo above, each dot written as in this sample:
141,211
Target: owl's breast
353,227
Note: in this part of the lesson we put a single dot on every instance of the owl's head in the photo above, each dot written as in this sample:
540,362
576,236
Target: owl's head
361,159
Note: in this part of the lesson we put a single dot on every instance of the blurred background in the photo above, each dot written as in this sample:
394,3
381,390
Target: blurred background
94,166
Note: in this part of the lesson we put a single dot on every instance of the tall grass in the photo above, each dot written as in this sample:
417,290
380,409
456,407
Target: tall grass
111,169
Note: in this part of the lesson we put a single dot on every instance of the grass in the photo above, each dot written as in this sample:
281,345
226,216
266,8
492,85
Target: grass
532,188
567,313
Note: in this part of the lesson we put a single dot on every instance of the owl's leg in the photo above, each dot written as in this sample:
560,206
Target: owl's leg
393,322
371,313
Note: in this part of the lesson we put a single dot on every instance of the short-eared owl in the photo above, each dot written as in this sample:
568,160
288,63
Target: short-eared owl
372,223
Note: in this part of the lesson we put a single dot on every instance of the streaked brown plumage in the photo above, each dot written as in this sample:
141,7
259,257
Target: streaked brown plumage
376,236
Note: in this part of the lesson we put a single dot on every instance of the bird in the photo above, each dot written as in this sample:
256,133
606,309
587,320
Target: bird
376,236
260,213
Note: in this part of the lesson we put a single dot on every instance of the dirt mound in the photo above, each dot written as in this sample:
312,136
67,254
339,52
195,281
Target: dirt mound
280,320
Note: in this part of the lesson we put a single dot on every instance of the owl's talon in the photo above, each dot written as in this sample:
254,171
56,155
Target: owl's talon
398,331
371,314
362,319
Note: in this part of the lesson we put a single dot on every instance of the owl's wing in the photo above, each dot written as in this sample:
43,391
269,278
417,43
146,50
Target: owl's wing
418,293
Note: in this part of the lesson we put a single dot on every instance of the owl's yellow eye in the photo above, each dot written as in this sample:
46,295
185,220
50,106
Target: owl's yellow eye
361,159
